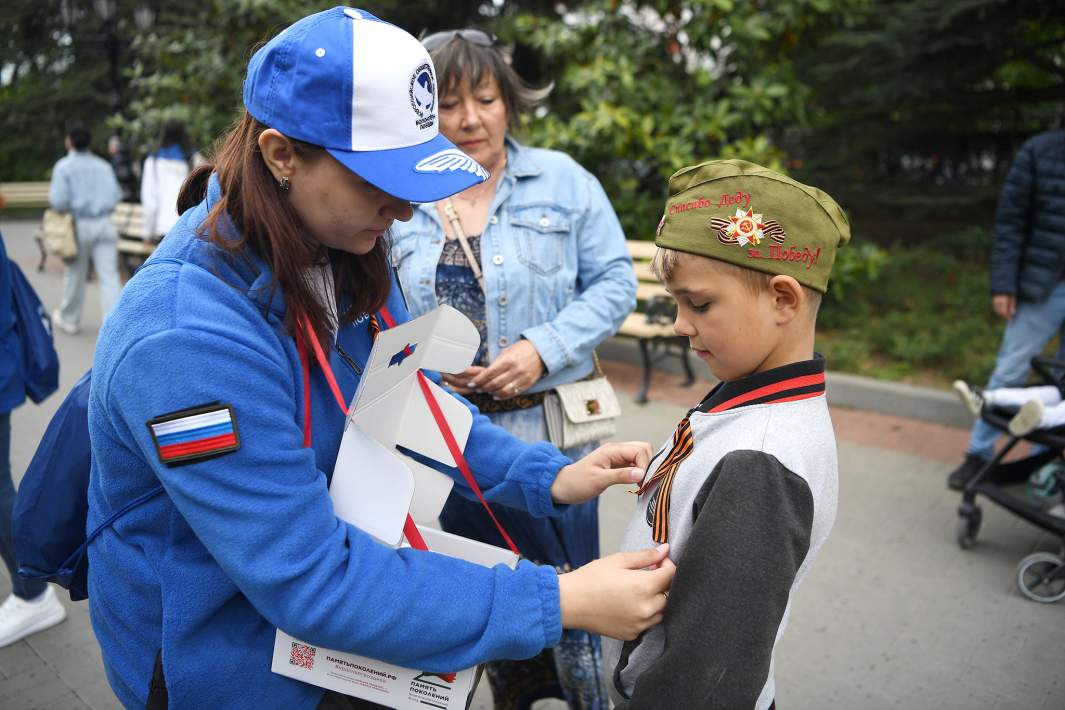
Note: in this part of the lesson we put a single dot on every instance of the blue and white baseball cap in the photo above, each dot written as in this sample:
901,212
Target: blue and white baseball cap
366,91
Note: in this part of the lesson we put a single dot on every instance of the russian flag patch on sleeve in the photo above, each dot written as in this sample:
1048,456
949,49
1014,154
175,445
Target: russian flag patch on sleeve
195,434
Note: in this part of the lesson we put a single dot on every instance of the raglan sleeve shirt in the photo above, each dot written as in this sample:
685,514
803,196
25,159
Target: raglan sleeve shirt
264,514
751,532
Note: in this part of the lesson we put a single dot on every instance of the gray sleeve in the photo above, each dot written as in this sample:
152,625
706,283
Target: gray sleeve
751,533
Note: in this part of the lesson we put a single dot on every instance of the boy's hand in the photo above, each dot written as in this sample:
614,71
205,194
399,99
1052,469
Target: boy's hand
618,596
621,462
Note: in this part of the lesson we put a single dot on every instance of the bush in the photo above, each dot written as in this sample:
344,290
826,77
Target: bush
919,313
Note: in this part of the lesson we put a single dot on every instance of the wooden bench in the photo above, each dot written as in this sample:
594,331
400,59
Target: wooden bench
652,321
24,194
134,245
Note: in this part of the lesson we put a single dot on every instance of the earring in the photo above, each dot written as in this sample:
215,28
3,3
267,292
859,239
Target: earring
284,184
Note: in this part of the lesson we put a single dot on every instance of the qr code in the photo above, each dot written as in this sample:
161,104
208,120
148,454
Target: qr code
302,656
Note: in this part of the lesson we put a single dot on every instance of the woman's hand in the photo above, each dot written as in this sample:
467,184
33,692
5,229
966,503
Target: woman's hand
516,369
617,596
619,462
459,383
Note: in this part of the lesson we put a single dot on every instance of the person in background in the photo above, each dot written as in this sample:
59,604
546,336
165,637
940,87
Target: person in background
557,281
123,167
85,185
1027,277
162,176
32,606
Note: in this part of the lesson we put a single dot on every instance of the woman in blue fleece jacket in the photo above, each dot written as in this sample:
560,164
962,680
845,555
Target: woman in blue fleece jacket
198,384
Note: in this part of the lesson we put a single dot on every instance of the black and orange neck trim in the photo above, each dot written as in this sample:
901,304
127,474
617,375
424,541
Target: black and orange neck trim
789,383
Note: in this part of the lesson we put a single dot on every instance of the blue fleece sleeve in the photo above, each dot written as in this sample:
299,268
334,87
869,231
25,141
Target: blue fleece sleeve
264,514
508,470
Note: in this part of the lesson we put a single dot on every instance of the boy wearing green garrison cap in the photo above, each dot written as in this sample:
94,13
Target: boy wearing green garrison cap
745,490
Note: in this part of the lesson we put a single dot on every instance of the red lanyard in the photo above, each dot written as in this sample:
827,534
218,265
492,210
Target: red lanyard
410,530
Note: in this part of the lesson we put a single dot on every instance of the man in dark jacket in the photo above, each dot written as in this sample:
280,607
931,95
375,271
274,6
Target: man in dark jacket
1027,271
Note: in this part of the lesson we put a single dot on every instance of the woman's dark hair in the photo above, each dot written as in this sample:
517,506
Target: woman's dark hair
173,133
459,60
268,225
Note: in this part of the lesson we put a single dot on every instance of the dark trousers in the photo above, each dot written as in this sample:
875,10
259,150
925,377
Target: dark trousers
23,588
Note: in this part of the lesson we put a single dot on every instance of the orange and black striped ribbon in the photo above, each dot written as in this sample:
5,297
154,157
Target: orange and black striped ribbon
375,327
658,508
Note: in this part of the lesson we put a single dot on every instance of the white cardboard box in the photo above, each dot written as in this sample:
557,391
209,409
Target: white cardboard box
380,682
374,487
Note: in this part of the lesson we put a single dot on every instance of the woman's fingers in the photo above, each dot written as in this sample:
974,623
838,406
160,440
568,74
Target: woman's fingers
620,595
642,559
494,376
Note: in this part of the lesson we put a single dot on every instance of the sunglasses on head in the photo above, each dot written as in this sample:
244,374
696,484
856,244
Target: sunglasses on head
439,39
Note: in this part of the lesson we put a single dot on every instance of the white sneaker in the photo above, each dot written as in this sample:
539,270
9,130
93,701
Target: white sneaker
58,322
971,397
20,617
1027,418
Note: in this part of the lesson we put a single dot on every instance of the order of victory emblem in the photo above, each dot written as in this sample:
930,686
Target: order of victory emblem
747,228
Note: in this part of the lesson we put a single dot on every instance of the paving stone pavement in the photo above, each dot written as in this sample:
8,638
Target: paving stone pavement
893,615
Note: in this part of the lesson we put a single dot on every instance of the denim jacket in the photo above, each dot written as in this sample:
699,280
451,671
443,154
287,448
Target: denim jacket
556,268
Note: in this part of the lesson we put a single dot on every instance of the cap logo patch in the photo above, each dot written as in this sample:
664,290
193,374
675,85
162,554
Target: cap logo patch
450,160
423,95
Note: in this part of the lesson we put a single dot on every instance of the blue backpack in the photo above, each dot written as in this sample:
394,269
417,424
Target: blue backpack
52,505
35,334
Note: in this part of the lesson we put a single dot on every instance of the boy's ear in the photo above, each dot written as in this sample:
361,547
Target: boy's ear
277,152
788,297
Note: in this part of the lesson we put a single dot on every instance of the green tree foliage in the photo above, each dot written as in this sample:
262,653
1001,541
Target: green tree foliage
916,107
55,68
645,88
192,65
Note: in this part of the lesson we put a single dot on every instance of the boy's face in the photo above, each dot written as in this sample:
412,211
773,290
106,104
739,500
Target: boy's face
728,325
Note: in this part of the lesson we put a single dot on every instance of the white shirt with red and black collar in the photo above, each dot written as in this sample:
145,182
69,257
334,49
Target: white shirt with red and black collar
745,492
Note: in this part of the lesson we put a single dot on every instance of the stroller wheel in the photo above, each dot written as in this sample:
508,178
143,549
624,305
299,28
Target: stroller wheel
1041,577
968,526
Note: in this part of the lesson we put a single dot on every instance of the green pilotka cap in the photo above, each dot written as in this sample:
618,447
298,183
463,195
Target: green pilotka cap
750,216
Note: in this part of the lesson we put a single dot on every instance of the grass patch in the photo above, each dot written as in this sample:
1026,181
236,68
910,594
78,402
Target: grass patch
923,315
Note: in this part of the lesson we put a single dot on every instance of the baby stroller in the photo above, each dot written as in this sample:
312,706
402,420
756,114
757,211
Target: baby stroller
1041,575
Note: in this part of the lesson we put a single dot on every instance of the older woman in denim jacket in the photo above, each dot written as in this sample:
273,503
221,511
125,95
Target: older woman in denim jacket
557,282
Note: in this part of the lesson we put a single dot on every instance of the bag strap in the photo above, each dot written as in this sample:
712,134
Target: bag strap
77,554
460,233
452,443
597,367
410,530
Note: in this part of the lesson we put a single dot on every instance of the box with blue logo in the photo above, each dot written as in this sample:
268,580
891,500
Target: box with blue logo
375,487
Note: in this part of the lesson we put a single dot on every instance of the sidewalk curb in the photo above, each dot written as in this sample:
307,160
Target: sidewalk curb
844,390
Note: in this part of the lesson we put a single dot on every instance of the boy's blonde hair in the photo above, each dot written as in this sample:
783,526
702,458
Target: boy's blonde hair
665,261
